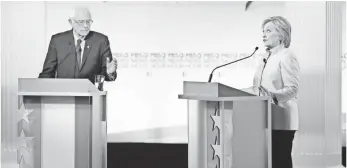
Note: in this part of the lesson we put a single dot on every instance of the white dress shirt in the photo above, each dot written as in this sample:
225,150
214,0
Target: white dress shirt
279,74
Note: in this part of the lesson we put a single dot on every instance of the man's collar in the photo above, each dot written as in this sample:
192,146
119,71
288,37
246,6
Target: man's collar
76,36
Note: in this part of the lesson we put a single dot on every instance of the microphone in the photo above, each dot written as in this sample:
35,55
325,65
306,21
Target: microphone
264,60
210,78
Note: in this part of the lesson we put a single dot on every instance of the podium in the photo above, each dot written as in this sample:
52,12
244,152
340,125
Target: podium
61,124
229,128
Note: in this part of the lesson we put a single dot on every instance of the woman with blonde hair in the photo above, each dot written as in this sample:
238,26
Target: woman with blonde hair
278,77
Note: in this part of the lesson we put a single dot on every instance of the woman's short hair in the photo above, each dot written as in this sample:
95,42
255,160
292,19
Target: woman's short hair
282,26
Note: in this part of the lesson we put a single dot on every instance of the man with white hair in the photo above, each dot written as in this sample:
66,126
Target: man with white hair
79,52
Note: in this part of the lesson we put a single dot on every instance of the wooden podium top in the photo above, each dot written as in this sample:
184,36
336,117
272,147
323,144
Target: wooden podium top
210,98
206,89
57,87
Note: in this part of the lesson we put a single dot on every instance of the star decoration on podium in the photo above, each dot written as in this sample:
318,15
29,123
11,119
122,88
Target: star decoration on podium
216,122
216,150
216,154
26,142
216,110
23,127
23,164
218,164
23,113
216,139
24,154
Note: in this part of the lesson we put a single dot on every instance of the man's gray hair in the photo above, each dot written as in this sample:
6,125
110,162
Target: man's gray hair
79,9
282,26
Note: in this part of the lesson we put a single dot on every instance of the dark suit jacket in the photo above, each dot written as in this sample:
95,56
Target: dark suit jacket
61,59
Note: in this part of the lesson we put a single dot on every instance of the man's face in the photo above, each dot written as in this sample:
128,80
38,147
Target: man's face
81,22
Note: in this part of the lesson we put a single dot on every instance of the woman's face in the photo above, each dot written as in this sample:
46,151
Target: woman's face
271,37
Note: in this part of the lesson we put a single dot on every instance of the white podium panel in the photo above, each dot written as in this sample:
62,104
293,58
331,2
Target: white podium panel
61,123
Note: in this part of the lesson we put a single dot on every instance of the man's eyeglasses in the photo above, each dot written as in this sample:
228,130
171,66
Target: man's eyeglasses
82,22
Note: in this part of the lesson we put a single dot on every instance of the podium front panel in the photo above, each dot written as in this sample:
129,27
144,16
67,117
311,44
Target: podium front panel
83,132
249,133
197,130
62,131
58,132
28,120
228,134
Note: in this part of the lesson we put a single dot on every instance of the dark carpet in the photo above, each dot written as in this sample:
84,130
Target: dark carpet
154,155
147,155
